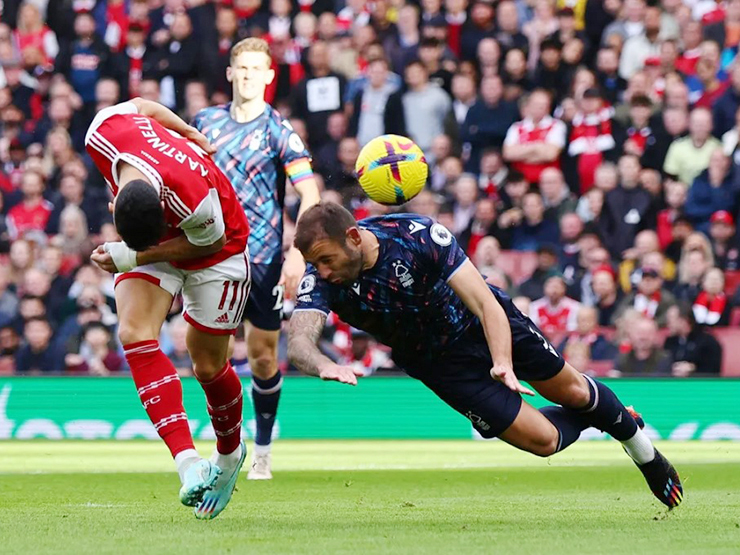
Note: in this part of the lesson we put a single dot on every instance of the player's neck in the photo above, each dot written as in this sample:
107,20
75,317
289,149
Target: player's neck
370,249
245,111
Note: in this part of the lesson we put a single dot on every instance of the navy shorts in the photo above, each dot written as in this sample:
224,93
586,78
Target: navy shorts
461,377
265,304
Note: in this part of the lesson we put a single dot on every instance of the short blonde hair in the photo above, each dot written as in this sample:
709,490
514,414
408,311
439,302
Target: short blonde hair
251,44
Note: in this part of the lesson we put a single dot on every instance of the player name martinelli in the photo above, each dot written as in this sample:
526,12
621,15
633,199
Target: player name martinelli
147,131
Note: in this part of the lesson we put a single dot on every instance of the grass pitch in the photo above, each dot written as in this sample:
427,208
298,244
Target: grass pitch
369,497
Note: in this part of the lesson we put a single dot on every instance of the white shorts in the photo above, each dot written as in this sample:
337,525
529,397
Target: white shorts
214,298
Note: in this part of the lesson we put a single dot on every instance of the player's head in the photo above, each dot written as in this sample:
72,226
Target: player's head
139,215
249,69
328,237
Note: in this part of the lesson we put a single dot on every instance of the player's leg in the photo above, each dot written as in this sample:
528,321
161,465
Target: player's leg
264,315
595,404
143,299
214,300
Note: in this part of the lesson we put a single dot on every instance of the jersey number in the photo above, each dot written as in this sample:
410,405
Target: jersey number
545,342
278,291
234,285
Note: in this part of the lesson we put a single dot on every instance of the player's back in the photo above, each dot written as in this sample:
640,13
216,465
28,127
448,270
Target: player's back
253,155
186,178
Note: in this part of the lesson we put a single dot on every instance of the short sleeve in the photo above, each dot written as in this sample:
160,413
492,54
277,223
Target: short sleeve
512,135
671,166
313,293
123,108
557,134
440,249
205,225
289,145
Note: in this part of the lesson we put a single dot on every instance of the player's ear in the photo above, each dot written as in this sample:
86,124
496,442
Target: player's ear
353,236
270,76
229,74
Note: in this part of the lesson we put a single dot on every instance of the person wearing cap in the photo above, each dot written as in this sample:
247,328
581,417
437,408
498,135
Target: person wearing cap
725,245
640,47
649,298
712,190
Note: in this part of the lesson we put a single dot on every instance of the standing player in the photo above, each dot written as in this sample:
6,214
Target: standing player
182,230
256,149
405,280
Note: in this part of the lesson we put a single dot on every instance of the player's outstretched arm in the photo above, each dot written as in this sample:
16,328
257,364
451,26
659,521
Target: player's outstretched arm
171,121
469,285
304,354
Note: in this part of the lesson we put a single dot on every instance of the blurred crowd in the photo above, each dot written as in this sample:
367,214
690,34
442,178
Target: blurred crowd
584,153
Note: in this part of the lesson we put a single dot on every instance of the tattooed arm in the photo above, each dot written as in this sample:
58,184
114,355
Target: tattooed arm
304,354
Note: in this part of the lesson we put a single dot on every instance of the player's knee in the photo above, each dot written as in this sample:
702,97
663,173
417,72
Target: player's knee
264,366
544,447
577,395
207,368
129,333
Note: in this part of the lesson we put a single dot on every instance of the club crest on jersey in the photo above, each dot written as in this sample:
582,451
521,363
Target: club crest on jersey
307,284
256,140
403,274
441,235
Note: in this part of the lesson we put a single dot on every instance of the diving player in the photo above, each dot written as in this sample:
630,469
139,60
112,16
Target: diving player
405,280
256,149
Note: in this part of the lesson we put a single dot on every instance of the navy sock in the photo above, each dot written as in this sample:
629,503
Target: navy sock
607,413
265,397
569,423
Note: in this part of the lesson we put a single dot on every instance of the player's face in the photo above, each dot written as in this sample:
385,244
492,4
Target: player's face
336,263
250,74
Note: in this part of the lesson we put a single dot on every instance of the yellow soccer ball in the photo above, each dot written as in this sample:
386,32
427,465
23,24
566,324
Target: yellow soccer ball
391,169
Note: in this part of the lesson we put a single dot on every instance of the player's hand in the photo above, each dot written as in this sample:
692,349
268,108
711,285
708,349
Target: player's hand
103,260
505,375
293,269
192,134
341,374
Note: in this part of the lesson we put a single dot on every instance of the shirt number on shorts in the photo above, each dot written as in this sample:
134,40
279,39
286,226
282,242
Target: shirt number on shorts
545,342
278,291
234,286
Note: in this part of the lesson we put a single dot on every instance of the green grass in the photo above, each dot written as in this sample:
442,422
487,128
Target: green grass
369,497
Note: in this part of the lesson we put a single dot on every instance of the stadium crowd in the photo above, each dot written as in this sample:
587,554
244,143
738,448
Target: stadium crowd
584,153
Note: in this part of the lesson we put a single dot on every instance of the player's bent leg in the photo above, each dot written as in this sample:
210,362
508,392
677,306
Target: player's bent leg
142,308
262,350
224,398
531,431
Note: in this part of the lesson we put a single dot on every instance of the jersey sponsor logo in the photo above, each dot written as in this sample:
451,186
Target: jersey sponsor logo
356,288
295,143
206,223
256,140
304,299
416,226
478,421
403,274
307,284
441,235
147,131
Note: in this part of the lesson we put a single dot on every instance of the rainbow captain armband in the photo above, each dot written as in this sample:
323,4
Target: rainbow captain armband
299,170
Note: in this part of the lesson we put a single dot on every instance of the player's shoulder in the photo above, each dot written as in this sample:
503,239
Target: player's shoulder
213,113
121,109
409,228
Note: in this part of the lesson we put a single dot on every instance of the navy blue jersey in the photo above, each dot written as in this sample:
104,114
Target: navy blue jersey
255,156
404,300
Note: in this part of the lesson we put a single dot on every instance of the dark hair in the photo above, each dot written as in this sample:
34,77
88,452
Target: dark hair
685,312
325,220
642,101
139,216
95,326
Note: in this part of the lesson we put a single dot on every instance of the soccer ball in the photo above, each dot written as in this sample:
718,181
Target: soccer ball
391,169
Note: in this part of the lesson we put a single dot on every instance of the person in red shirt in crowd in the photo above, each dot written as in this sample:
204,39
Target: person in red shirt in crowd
33,212
554,313
535,143
691,37
725,245
183,230
32,32
675,198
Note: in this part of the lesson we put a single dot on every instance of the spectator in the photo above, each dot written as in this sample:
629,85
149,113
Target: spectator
726,106
533,229
552,75
692,267
72,192
508,32
136,62
628,24
378,109
571,228
425,105
178,60
638,137
725,245
692,350
554,313
708,86
535,143
711,191
689,156
515,76
650,298
364,355
711,307
607,65
645,357
487,121
33,33
33,212
22,257
483,224
608,296
73,237
646,242
463,96
326,158
464,204
479,27
641,46
95,354
38,354
586,332
492,175
556,195
8,299
547,267
627,209
10,342
675,200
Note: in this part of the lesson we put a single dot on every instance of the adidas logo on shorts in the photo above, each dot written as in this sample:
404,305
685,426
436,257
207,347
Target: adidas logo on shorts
223,319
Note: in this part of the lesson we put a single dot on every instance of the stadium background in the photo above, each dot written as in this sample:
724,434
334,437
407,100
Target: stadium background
631,206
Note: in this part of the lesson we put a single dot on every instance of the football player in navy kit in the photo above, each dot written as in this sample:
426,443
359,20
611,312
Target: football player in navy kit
404,279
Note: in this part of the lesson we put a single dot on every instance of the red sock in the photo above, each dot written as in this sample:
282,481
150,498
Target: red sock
225,399
160,391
